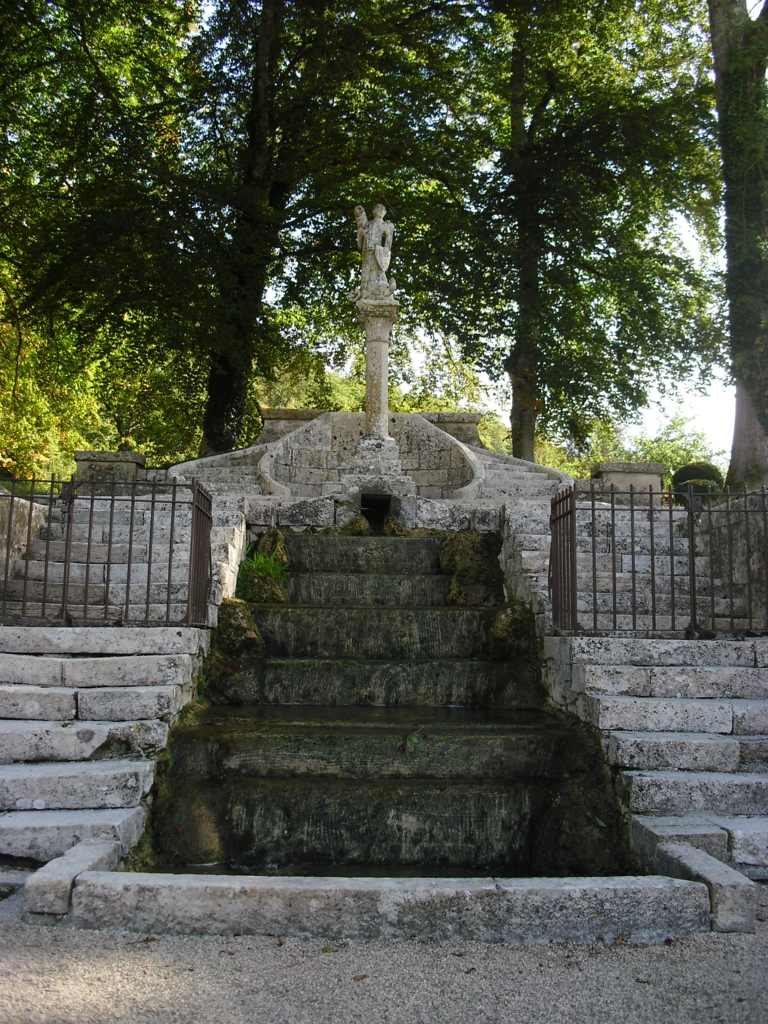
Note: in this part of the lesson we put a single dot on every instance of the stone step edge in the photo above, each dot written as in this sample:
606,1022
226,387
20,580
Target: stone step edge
520,911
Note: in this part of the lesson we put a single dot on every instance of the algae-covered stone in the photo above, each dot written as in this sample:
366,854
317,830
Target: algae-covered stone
357,527
512,634
472,560
272,544
394,528
237,635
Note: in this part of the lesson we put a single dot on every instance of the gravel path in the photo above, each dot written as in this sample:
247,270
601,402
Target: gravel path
54,976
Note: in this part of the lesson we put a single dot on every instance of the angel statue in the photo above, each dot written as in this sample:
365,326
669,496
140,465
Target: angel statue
374,239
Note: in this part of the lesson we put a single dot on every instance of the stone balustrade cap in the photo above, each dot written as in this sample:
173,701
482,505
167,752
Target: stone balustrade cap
136,457
291,414
655,468
452,417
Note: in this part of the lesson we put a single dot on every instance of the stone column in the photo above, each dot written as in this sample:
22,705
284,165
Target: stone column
377,317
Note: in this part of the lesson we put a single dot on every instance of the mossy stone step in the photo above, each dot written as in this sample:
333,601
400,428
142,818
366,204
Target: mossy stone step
274,824
321,553
442,681
370,743
372,632
401,589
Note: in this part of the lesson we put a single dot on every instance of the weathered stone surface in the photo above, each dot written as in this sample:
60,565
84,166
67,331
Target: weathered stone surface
35,671
48,890
74,785
43,835
652,714
517,911
646,833
732,896
102,640
127,703
750,717
142,670
78,740
697,792
748,840
680,750
311,512
54,703
687,653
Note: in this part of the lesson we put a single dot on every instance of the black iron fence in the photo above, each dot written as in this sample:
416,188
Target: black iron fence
87,552
659,561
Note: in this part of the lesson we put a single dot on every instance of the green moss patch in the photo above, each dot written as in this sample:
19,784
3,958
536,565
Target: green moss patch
472,560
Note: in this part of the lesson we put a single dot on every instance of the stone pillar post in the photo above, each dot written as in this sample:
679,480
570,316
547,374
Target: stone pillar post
377,317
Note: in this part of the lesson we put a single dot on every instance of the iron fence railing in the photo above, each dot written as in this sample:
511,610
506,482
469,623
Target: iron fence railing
659,561
91,552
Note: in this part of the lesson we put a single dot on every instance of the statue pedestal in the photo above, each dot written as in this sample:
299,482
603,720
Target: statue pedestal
377,317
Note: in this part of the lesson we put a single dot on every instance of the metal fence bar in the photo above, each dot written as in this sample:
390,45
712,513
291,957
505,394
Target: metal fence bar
88,550
711,534
170,553
108,570
48,526
671,500
613,553
149,547
29,546
729,531
130,554
692,562
748,553
9,543
632,543
594,558
652,549
68,495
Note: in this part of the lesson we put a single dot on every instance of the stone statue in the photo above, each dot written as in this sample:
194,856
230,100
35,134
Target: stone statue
374,239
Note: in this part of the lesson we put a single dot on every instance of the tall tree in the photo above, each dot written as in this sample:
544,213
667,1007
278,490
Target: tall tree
740,48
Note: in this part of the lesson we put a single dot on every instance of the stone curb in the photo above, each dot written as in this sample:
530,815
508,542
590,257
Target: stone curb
733,896
518,911
48,890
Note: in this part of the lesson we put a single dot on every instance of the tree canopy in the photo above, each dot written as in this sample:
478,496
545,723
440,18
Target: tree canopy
178,183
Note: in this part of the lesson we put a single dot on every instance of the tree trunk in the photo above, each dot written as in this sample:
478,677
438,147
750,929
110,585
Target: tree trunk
749,454
522,362
740,50
243,276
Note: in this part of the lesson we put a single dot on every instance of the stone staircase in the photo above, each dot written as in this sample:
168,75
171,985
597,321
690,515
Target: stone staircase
685,725
373,733
83,713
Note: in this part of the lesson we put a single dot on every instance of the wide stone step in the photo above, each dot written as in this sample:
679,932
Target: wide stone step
78,740
655,714
361,589
666,653
371,743
293,825
101,640
136,614
466,683
672,681
43,835
50,703
675,792
700,752
74,786
346,632
129,703
318,553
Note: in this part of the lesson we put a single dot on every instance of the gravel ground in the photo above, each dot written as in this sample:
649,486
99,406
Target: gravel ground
55,976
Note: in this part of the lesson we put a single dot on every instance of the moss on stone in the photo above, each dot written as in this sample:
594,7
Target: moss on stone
472,561
394,528
357,527
142,857
236,634
512,634
272,545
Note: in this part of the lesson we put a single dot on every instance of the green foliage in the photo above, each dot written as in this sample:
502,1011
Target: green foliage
261,578
695,472
676,444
